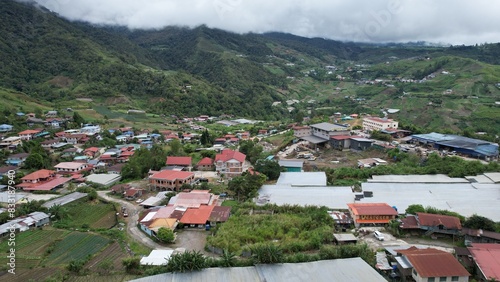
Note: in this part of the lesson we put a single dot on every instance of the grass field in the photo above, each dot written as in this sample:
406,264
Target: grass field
82,214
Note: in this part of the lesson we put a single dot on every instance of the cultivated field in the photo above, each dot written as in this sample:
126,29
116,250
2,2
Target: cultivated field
82,214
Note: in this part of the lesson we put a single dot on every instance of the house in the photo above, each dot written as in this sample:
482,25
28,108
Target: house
432,223
31,121
170,180
430,264
91,152
219,214
28,134
17,159
205,164
197,217
480,236
74,139
11,142
120,188
6,127
369,214
378,124
301,131
42,180
132,194
116,169
230,163
487,260
89,129
24,223
51,114
193,199
184,162
72,167
155,218
48,144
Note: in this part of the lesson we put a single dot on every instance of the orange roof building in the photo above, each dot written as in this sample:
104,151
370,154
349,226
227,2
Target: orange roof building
371,213
180,161
199,216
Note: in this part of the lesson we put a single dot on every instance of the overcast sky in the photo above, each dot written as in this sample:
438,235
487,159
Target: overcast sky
438,21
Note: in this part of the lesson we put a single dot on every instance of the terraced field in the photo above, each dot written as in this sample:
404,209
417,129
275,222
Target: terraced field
75,246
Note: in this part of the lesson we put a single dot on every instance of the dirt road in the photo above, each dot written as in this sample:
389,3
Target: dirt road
133,218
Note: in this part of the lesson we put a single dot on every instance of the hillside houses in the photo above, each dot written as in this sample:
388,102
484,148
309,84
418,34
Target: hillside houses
229,163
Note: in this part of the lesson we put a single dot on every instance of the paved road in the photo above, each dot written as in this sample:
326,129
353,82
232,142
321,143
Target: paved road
132,229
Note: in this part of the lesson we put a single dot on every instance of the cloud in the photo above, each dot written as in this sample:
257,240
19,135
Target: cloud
446,21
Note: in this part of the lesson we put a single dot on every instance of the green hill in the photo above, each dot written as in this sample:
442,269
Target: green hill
197,71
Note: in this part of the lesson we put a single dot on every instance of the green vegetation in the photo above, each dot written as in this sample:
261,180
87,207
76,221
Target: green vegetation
293,228
87,215
166,235
412,164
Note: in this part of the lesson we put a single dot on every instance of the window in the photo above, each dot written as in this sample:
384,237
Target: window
442,279
454,278
431,279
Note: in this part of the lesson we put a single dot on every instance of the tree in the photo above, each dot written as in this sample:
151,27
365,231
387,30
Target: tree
132,265
186,261
165,235
58,211
34,161
76,266
175,147
413,209
228,259
246,186
270,168
205,138
267,254
480,222
78,119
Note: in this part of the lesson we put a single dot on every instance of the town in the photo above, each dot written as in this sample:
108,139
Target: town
167,195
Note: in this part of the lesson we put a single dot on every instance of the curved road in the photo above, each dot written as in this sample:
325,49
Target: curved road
133,217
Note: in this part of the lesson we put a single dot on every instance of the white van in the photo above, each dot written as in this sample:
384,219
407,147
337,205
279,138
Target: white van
378,235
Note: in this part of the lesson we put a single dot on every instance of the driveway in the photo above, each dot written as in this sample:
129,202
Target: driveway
132,221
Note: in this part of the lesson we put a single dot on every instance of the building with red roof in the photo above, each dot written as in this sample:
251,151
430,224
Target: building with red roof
205,164
197,217
431,265
487,260
28,134
371,213
230,163
179,161
170,180
42,180
91,152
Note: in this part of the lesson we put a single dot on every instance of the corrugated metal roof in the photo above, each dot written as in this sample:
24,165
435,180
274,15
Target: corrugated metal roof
302,178
340,270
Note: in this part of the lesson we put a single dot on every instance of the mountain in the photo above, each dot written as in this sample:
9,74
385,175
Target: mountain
192,71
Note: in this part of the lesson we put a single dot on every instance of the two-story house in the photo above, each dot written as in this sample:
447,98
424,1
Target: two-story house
28,134
170,180
229,163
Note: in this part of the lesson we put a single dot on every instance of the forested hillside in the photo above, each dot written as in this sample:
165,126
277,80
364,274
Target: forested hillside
183,71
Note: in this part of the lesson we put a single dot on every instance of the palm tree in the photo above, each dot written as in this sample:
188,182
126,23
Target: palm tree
228,258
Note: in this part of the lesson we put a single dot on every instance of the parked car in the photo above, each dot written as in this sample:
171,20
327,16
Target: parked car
378,235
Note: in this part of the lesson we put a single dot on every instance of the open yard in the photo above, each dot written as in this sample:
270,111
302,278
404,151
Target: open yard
83,214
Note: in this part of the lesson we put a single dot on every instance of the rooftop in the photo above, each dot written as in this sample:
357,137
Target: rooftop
302,179
228,154
434,263
428,219
197,215
487,258
172,175
329,126
372,209
183,161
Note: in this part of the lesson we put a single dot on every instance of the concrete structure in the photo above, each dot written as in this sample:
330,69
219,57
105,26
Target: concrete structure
71,167
378,124
230,163
301,131
170,180
10,142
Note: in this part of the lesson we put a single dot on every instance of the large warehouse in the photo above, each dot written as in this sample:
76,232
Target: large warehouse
463,145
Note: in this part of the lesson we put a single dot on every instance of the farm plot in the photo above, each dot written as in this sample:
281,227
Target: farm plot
36,274
89,215
114,254
75,246
31,246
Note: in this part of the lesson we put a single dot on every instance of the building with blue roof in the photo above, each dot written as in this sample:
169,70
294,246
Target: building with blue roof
475,148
